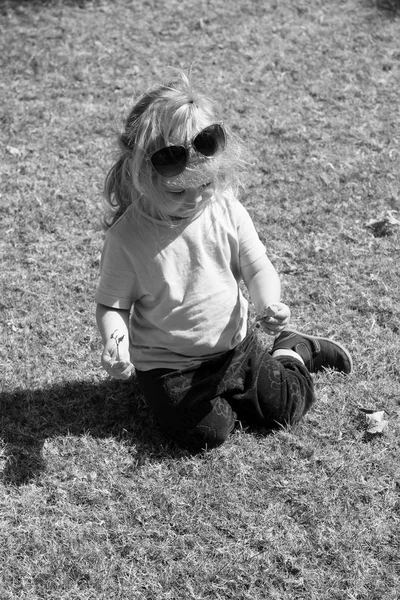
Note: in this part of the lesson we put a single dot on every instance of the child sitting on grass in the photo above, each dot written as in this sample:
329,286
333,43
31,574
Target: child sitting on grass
177,247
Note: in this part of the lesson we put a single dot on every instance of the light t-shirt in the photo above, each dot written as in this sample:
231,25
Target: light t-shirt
180,283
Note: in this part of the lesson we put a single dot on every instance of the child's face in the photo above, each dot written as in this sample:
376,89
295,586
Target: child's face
196,183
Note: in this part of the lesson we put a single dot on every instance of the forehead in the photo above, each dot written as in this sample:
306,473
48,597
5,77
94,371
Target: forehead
182,128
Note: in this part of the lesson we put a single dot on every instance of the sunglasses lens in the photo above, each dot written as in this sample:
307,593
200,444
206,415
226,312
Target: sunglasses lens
170,161
210,141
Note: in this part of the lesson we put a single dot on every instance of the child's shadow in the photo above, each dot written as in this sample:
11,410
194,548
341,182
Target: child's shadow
102,409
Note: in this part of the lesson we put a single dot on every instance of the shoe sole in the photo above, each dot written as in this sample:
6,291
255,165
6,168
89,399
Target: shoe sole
324,339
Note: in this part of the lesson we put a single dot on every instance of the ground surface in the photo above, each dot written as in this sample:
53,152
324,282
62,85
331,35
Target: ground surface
94,503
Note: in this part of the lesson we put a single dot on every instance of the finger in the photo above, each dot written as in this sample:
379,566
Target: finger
274,319
273,312
282,313
270,321
121,366
124,376
273,328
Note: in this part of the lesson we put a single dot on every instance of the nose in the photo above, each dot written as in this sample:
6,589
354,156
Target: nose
195,159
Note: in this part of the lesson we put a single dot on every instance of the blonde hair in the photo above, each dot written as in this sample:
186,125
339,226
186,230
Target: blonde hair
173,110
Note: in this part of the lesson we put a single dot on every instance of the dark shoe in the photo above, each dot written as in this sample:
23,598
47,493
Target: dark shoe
318,353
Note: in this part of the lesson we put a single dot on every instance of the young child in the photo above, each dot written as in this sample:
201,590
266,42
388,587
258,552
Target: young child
169,304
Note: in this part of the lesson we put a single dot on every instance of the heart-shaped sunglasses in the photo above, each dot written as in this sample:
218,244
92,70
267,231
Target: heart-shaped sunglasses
172,160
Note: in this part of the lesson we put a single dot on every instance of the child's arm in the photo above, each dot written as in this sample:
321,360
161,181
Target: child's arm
263,283
113,327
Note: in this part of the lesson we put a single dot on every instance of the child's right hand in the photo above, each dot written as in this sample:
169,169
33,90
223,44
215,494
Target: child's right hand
119,369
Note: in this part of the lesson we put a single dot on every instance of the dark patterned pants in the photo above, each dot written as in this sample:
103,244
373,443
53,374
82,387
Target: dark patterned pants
198,406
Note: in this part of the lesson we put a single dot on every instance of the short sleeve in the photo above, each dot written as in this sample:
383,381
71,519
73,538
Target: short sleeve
250,246
118,282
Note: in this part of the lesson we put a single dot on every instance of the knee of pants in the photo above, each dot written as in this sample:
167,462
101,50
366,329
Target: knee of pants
202,438
285,392
209,431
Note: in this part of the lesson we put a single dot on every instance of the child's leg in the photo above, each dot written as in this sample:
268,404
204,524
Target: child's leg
280,389
274,392
198,407
285,390
187,404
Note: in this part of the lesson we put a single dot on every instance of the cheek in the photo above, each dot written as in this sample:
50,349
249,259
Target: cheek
189,197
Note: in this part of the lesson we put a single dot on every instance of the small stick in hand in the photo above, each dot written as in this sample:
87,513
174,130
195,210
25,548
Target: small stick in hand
117,339
268,313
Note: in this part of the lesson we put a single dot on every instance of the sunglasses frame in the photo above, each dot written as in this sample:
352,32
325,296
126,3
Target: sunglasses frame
173,170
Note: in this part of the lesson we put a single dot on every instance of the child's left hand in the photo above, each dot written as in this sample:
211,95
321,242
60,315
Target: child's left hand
274,318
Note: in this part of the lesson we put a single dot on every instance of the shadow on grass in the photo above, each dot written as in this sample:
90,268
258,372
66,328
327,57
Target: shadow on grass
386,7
21,4
106,409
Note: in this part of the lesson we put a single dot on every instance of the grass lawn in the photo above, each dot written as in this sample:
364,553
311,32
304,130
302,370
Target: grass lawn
94,503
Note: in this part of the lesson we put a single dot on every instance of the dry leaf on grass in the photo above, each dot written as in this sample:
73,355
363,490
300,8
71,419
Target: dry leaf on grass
374,420
14,151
